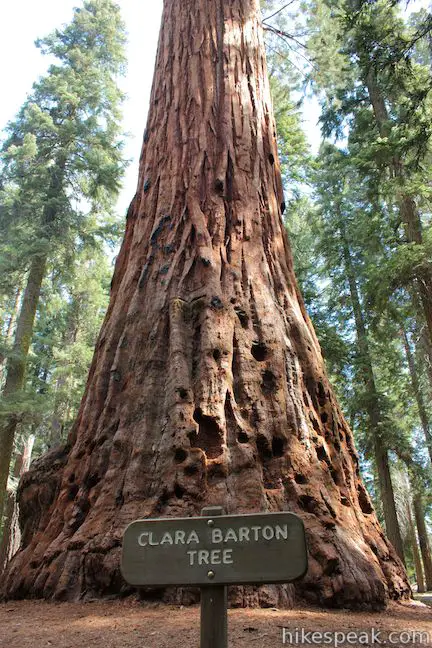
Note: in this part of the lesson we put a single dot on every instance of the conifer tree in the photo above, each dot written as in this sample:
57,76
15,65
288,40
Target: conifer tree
61,170
207,384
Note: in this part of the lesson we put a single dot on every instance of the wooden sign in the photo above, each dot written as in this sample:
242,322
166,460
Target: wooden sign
215,550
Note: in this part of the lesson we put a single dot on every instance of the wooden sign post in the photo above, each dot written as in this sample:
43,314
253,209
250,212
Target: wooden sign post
214,603
214,551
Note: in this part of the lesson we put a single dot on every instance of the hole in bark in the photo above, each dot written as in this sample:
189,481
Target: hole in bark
119,500
72,478
329,524
329,505
76,521
278,446
271,159
209,436
314,422
191,470
217,354
180,455
321,453
162,502
242,437
269,384
345,501
337,446
308,503
312,390
219,186
335,476
216,472
73,491
300,479
374,548
182,393
91,481
216,303
192,236
259,351
324,417
263,447
243,317
179,491
321,394
332,567
192,436
364,501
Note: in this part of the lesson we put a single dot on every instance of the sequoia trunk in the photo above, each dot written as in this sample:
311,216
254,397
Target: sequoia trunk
207,386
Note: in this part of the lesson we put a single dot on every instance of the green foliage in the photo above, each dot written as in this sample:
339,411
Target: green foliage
355,267
61,167
62,156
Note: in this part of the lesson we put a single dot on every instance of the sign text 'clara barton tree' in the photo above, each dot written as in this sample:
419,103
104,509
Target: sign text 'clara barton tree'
207,386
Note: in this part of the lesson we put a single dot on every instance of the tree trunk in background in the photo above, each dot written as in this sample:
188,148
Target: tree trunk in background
418,393
10,327
419,513
406,204
373,407
16,365
207,386
421,587
10,540
14,314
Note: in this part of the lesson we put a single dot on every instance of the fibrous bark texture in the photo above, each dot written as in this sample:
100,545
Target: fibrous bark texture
207,385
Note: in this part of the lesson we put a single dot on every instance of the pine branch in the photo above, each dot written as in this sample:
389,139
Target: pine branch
278,11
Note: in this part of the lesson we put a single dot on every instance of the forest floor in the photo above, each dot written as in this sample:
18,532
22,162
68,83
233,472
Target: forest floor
129,624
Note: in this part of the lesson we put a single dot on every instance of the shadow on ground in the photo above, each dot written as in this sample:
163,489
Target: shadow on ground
129,624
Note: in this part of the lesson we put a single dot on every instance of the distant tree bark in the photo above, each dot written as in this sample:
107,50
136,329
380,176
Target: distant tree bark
17,362
9,334
386,489
207,386
16,366
418,393
421,586
425,549
10,539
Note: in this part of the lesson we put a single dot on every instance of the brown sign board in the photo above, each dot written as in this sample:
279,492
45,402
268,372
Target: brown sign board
230,549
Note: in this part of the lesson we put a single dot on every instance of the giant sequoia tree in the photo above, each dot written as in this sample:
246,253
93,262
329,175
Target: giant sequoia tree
207,385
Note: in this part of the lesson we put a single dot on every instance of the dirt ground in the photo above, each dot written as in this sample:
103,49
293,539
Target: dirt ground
129,624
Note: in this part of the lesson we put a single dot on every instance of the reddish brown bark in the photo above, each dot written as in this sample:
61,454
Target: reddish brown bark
11,535
207,386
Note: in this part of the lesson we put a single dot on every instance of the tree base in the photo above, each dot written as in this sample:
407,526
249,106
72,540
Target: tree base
341,573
